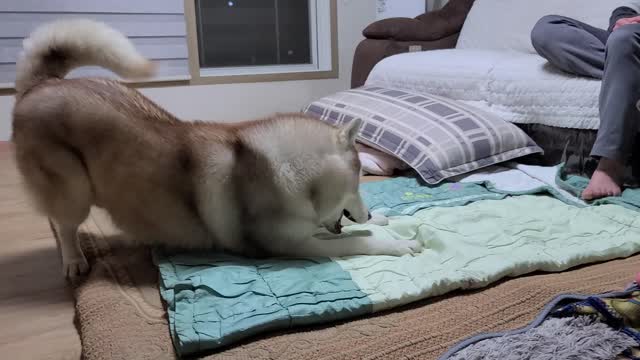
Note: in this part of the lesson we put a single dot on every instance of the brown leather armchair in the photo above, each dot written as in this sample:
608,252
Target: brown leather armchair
433,30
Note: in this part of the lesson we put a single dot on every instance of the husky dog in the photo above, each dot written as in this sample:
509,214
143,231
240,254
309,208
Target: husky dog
256,188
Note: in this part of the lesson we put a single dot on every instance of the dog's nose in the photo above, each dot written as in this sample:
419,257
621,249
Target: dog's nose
348,215
368,216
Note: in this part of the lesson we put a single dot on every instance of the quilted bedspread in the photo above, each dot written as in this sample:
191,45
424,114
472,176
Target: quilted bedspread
519,87
215,300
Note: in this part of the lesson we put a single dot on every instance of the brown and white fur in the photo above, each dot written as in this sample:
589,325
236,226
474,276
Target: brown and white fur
255,188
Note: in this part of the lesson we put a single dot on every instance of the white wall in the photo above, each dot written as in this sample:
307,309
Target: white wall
6,104
399,8
246,101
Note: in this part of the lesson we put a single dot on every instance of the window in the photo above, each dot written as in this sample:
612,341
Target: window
223,41
253,32
261,40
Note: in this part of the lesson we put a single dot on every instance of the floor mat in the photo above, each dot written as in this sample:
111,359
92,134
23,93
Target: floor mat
558,339
120,314
465,247
617,311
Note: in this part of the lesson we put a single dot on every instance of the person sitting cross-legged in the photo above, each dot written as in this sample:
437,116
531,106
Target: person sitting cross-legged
612,55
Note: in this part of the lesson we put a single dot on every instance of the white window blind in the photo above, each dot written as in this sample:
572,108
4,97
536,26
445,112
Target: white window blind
156,27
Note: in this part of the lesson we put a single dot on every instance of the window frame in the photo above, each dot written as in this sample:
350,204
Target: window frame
267,73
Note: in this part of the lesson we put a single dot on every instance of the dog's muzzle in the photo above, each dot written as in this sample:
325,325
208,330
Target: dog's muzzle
348,216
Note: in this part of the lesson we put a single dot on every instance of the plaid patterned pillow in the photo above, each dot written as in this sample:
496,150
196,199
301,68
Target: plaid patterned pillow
438,137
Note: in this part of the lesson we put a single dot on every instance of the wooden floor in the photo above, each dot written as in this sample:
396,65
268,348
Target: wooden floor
36,305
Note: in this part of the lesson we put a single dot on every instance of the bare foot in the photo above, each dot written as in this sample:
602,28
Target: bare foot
606,180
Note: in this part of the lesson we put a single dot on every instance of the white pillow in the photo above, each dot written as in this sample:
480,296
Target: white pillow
507,24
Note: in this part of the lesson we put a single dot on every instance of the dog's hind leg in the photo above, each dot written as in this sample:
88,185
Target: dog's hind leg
74,262
60,186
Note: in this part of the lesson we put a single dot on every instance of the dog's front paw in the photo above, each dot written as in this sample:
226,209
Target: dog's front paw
73,268
404,247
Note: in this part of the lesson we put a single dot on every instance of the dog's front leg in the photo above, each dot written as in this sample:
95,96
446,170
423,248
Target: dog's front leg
295,237
348,245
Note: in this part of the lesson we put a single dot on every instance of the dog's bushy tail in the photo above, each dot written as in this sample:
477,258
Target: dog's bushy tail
54,49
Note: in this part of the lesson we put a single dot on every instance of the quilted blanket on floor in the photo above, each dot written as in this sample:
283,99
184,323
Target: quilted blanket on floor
215,300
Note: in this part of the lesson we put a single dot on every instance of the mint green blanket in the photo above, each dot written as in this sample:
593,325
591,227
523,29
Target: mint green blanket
215,300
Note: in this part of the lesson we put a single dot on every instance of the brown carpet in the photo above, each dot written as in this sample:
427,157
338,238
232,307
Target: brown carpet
120,316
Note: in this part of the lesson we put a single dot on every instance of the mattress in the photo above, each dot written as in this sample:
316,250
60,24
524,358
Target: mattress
521,88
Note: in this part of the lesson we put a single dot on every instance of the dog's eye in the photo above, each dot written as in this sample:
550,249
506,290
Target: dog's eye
348,215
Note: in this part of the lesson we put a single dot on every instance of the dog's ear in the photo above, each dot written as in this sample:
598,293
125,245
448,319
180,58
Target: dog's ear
349,132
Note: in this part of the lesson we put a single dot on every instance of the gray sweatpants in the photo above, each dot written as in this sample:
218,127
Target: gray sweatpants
614,57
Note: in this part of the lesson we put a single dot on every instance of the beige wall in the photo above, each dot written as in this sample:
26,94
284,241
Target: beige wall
246,101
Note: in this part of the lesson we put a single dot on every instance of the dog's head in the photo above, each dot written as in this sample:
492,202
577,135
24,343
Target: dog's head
339,193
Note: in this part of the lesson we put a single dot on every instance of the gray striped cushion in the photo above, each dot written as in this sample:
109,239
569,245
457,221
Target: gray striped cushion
438,137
